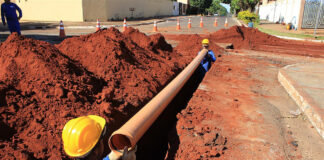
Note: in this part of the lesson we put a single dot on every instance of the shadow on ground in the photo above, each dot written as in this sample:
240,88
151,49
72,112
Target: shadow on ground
161,141
32,26
47,38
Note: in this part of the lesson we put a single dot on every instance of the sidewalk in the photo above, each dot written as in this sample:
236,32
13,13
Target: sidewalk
281,31
305,84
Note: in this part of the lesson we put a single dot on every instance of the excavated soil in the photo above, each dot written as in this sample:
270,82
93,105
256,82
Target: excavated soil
244,38
108,73
111,74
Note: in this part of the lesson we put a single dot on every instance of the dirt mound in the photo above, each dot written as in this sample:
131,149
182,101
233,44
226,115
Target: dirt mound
127,61
190,45
107,73
250,38
39,87
247,39
243,37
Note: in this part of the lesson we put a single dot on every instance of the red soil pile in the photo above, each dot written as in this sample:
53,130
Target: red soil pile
108,73
250,38
40,88
134,65
190,45
243,37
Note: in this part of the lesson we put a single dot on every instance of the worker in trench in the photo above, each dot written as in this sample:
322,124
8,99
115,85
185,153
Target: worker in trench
207,61
9,13
83,139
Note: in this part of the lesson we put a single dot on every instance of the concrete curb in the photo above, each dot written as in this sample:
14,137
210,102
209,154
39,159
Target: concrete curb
299,39
302,99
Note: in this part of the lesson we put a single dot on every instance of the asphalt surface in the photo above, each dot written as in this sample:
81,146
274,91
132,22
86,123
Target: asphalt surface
48,31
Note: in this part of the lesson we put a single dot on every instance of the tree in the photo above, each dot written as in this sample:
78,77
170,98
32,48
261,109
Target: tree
242,5
200,6
217,8
226,1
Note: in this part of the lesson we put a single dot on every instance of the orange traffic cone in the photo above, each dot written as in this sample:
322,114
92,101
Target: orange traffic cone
201,22
226,23
98,25
178,24
215,23
155,27
62,32
125,25
189,23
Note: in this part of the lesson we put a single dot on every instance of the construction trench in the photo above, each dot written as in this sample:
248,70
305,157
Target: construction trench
112,74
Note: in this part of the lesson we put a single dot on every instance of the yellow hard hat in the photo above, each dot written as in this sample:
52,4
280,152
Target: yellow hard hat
80,135
205,41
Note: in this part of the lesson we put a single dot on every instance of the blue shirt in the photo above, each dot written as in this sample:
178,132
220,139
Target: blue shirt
206,62
106,158
8,10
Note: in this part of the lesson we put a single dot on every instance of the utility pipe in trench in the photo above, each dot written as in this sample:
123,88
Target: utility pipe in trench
129,134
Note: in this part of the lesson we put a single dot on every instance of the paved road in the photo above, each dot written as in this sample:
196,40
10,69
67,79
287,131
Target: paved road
168,26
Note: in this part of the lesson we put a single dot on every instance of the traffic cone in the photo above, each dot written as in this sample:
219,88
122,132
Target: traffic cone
62,32
215,23
98,25
155,27
189,23
178,24
226,23
201,22
124,25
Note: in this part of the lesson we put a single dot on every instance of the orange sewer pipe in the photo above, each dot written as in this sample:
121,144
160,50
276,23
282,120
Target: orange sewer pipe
129,134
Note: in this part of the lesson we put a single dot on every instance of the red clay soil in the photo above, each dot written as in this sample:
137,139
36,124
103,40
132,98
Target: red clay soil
108,73
221,120
190,45
253,39
249,38
40,88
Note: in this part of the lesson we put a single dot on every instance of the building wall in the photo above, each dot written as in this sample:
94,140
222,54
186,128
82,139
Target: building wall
119,9
175,8
287,11
91,10
183,6
183,1
51,10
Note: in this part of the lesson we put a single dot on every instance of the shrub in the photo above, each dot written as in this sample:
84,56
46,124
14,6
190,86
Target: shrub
246,16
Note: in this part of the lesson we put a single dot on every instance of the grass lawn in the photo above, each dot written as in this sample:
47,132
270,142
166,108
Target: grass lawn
278,33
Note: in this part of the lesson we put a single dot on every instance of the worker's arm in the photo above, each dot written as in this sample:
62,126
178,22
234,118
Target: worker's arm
129,155
19,11
212,55
3,15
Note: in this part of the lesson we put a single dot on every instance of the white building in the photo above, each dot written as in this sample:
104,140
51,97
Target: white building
302,14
